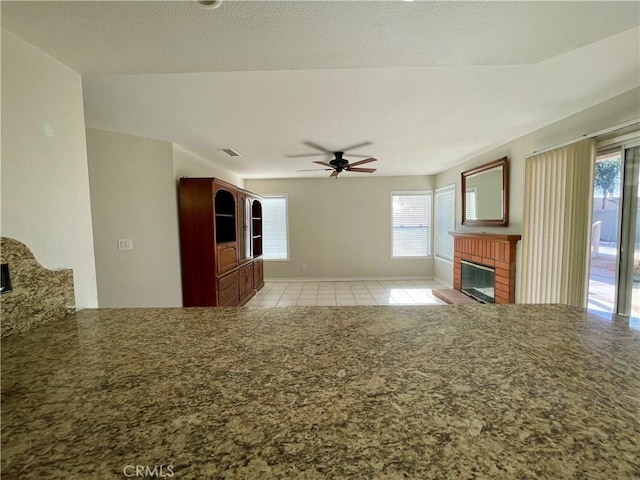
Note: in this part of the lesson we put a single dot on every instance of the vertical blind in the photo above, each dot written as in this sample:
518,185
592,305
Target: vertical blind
274,228
411,224
555,236
445,203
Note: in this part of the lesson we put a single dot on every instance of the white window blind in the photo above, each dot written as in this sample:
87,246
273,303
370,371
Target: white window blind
445,208
274,228
411,224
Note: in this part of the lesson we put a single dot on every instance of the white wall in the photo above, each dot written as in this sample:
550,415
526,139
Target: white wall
134,196
45,184
615,111
342,228
188,164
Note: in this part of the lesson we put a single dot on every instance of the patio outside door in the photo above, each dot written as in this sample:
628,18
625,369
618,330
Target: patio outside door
628,301
614,274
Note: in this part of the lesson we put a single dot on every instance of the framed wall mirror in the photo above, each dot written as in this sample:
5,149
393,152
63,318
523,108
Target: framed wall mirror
485,194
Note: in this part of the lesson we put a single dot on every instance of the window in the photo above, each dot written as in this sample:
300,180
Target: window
275,245
410,224
471,212
445,212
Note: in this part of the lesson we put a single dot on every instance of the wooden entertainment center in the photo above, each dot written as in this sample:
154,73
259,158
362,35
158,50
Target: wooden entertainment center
220,243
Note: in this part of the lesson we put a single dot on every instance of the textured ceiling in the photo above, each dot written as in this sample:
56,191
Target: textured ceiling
429,84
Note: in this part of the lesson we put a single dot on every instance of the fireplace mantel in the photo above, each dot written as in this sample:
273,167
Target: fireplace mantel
495,237
490,249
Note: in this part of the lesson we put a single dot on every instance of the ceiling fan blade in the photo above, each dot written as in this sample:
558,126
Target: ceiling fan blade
314,169
359,145
323,163
335,173
318,147
361,162
365,170
306,155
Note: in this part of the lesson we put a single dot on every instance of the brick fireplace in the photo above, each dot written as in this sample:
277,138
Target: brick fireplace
491,250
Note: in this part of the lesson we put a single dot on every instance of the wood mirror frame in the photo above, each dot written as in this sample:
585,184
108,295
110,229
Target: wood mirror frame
501,219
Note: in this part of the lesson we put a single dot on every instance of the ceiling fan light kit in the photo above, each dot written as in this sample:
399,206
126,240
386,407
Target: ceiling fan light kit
209,4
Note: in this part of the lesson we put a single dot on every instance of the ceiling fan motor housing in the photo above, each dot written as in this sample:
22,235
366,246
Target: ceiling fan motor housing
339,163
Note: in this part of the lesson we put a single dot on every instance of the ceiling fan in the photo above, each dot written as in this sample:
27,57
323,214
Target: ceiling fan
326,152
339,164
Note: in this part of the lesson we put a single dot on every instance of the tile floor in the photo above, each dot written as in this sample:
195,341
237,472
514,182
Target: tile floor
366,292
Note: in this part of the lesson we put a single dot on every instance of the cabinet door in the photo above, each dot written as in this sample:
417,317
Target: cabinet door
256,227
258,274
246,281
227,257
241,224
225,215
248,229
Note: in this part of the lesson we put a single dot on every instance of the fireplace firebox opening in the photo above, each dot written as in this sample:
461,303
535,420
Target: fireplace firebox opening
478,281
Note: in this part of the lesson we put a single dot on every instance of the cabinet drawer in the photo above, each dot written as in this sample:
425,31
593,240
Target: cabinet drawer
227,281
228,297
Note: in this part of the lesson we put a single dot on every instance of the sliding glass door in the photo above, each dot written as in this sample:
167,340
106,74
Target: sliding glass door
628,302
614,274
604,231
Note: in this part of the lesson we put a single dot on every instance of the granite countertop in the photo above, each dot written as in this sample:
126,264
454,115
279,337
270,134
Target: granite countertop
444,392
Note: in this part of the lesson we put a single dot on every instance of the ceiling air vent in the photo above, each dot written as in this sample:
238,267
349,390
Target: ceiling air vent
230,152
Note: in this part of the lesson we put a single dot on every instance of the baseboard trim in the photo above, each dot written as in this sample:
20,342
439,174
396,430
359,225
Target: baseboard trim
442,282
346,279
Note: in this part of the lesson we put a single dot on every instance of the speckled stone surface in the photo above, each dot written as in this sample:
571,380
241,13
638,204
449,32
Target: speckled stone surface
39,295
440,392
